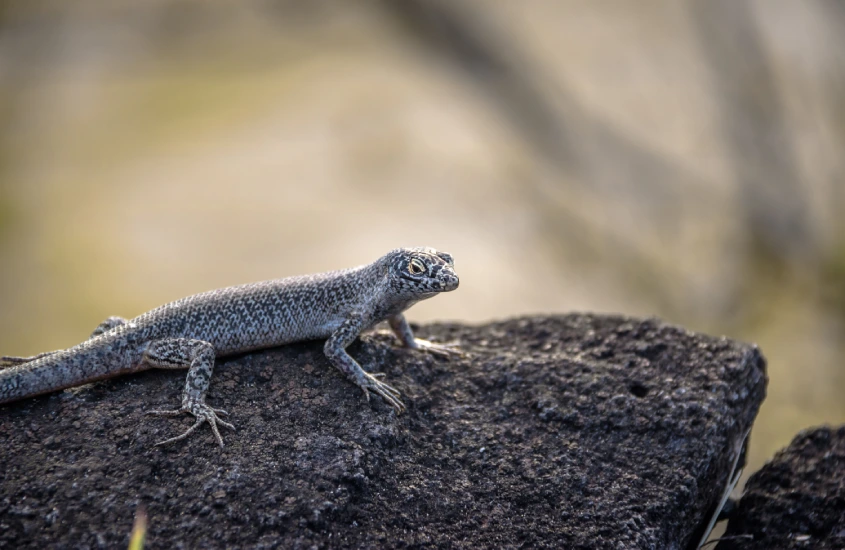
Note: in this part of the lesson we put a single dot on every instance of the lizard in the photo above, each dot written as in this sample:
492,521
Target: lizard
192,332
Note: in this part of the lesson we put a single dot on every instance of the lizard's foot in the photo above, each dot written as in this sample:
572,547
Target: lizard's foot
371,383
203,413
441,350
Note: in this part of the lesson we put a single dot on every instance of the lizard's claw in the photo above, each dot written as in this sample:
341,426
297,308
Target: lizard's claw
371,383
203,413
441,350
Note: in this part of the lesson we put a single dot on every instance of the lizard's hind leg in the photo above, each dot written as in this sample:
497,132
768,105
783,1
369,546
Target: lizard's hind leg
198,357
105,326
11,360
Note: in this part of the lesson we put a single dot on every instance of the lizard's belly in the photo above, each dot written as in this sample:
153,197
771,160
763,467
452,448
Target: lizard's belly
251,336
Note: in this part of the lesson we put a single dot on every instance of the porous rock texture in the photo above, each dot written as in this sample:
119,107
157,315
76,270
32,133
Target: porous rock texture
797,500
574,431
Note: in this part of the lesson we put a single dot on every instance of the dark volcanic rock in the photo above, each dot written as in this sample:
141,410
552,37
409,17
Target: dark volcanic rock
795,501
576,431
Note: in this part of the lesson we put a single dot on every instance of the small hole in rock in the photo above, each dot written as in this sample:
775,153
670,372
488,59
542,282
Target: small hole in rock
639,390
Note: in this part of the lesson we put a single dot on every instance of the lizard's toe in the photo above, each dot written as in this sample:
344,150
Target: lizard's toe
203,413
441,350
174,412
386,391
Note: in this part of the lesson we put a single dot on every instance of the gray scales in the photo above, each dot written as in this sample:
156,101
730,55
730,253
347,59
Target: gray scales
191,332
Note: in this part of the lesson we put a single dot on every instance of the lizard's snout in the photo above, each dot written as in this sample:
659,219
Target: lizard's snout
449,281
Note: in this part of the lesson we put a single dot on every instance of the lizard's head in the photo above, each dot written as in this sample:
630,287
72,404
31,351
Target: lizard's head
421,272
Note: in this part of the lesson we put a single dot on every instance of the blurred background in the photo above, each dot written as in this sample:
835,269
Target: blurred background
680,159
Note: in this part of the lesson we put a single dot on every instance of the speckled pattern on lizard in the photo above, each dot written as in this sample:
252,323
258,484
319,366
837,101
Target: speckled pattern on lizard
191,332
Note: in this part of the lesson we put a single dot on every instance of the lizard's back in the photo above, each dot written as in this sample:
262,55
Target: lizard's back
259,315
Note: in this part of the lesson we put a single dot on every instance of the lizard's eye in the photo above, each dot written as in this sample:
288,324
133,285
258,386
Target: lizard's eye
415,267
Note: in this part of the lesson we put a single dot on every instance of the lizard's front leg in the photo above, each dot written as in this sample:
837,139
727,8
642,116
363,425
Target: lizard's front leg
198,357
403,331
335,350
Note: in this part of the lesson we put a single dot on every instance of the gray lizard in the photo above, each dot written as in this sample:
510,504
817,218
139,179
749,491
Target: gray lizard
191,332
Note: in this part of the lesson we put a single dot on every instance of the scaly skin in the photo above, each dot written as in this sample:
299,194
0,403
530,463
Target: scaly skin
191,332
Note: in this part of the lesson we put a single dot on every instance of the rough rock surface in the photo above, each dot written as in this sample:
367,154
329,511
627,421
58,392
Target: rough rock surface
795,501
577,431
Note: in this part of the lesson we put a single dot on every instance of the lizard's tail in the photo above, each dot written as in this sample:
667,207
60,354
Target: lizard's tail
95,359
